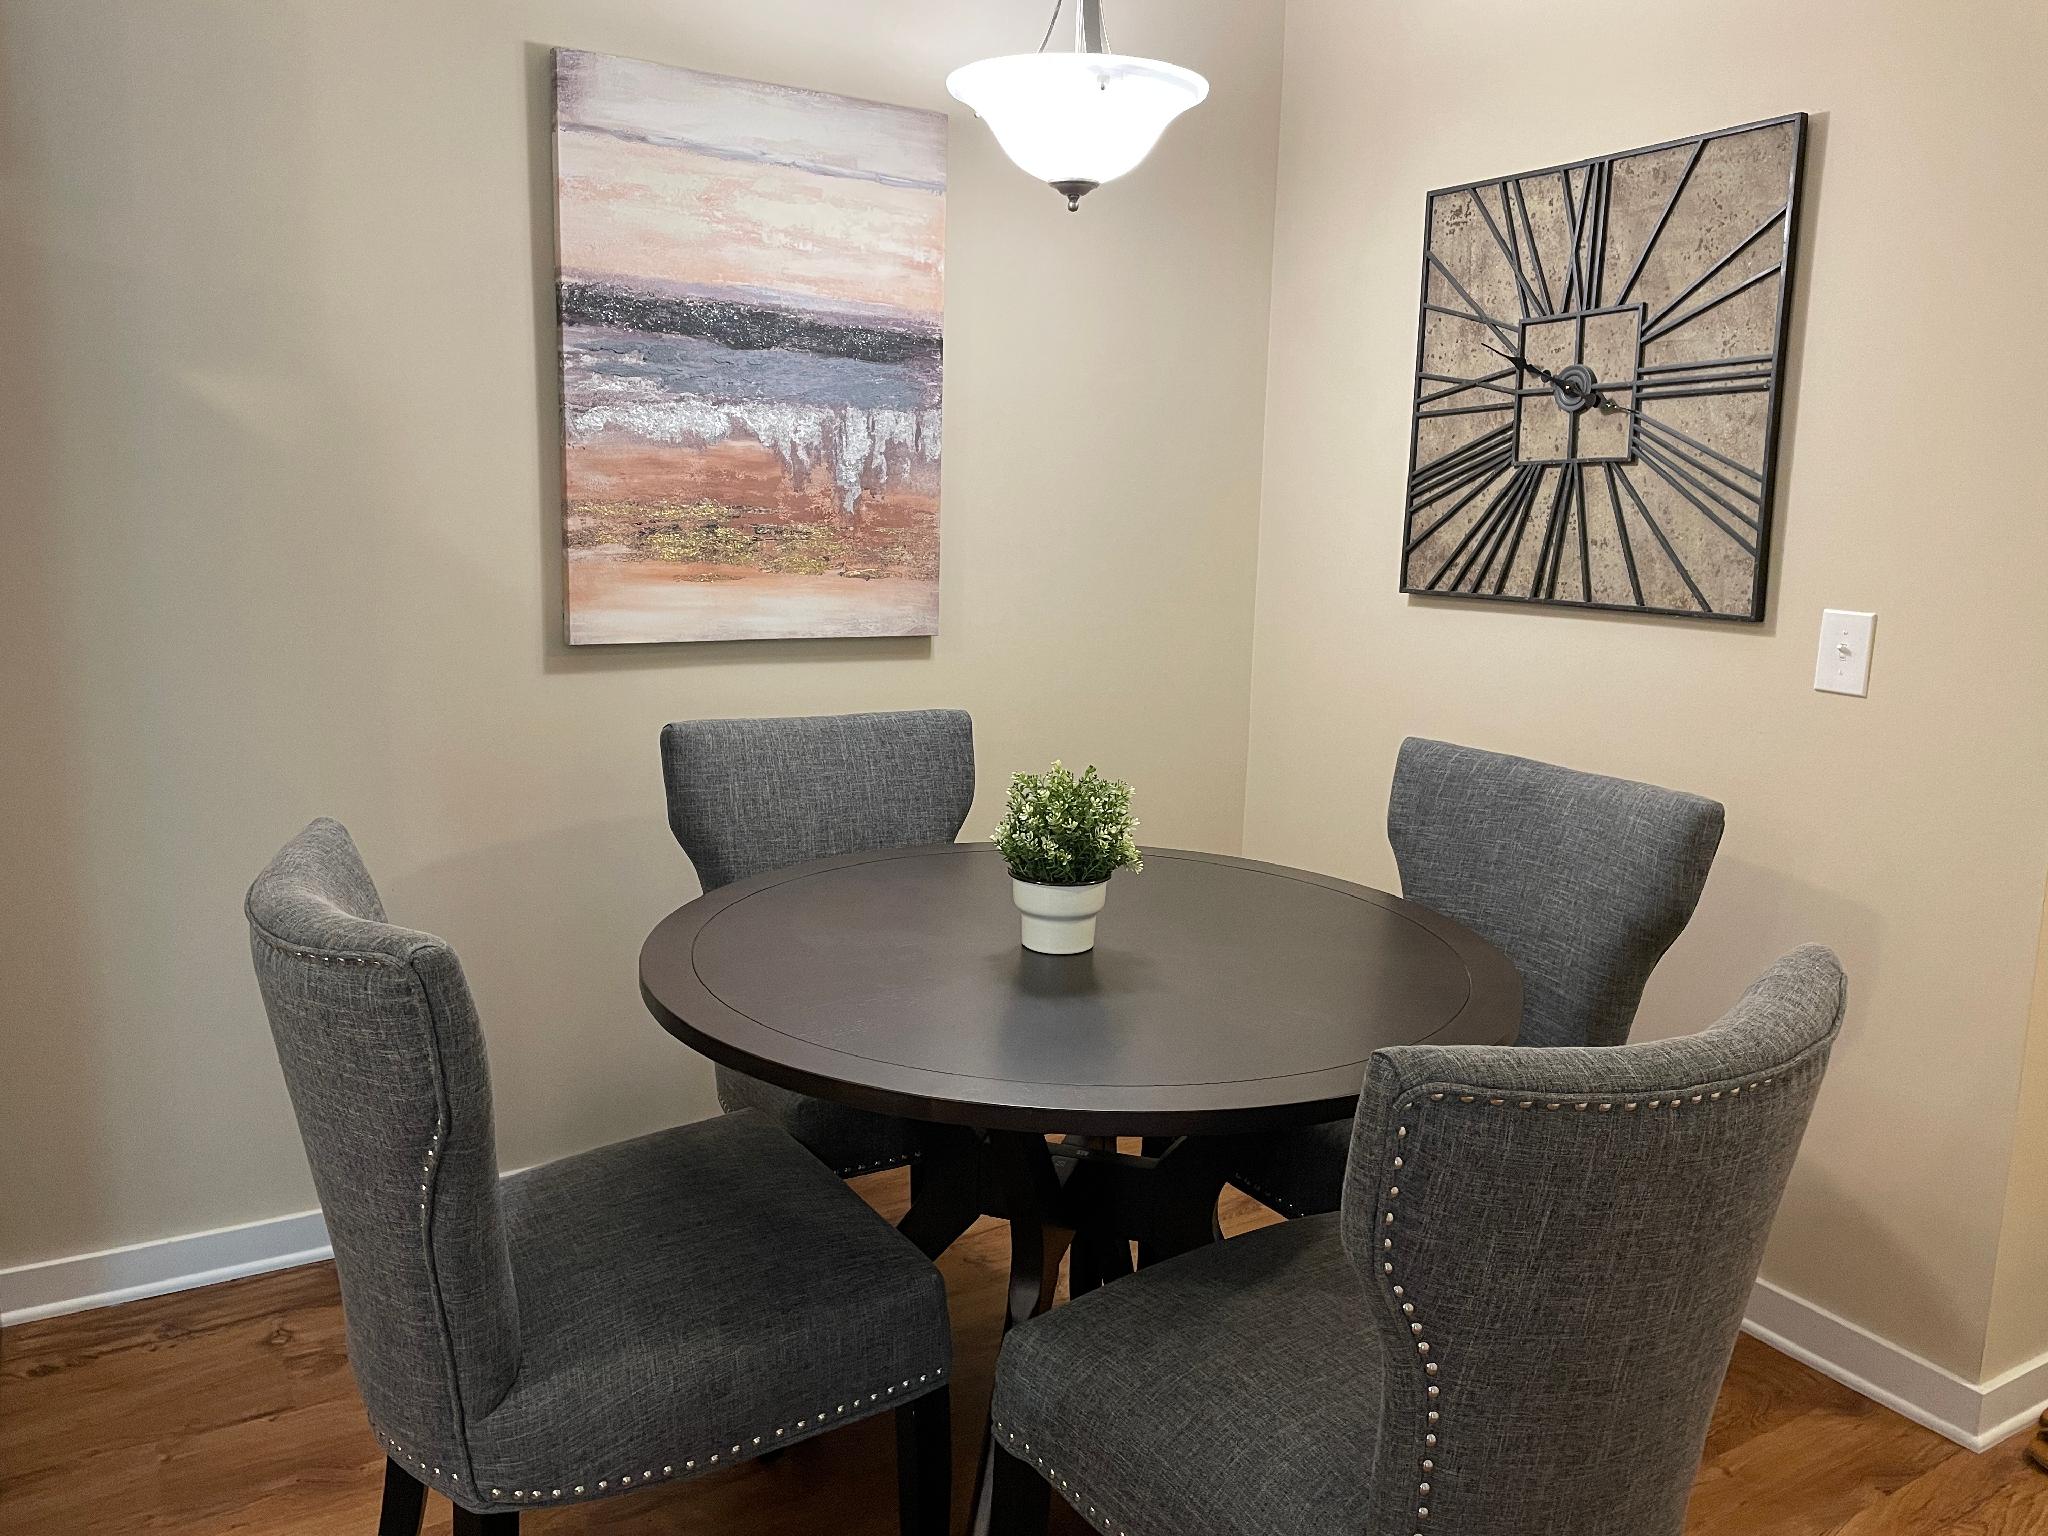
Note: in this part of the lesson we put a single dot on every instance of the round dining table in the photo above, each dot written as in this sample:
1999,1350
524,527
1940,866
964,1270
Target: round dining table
1224,997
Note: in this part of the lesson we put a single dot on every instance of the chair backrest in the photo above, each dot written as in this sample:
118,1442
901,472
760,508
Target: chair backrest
384,1059
751,795
1559,1245
1583,881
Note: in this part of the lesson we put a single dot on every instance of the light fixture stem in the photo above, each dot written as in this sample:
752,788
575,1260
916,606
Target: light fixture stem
1088,36
1051,22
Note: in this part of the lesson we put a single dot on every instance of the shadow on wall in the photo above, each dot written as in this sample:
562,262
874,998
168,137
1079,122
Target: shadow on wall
557,655
558,987
1838,1218
1755,913
1784,510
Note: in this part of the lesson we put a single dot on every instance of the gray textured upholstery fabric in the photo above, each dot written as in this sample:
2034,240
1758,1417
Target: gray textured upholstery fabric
746,796
384,1058
1553,1250
1583,881
701,1289
643,1311
1241,1377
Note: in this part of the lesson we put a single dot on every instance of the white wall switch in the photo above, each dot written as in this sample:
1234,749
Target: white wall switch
1843,665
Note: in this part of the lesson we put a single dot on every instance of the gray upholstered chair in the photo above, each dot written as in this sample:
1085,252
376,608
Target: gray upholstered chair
1516,1326
1583,881
637,1315
747,796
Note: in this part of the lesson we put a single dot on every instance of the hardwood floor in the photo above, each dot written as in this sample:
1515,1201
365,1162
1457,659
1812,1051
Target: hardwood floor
231,1410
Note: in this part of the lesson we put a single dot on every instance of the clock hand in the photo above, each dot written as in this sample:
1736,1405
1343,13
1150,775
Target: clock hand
1522,362
1596,394
1460,383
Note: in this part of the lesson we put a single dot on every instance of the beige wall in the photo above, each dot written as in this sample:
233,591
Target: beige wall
281,489
2019,1292
1909,830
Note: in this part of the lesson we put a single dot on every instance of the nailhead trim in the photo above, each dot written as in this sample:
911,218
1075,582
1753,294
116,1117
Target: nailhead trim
849,1170
427,1163
1432,1368
397,1453
649,1475
320,956
1266,1196
1053,1475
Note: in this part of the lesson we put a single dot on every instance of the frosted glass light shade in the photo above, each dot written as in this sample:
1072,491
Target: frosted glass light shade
1076,120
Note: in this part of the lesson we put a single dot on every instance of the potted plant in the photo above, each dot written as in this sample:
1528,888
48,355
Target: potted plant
1063,837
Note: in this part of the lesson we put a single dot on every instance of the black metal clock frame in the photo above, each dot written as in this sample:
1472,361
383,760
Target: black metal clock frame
1714,484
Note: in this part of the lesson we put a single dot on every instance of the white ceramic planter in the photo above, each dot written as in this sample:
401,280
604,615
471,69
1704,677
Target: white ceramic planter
1059,919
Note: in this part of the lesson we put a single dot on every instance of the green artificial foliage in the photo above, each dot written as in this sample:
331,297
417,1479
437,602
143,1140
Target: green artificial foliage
1062,830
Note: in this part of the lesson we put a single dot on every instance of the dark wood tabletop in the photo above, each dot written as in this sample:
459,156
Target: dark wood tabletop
1223,995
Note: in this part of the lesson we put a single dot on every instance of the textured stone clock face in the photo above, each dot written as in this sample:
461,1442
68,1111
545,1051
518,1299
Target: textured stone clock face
1599,362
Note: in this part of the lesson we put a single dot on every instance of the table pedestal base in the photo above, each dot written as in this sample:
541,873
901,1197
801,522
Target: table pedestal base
1080,1194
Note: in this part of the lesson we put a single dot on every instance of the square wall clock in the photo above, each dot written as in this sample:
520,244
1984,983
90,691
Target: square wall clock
1598,369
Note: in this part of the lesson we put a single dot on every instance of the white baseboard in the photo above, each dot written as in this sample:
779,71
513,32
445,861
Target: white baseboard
87,1280
1973,1414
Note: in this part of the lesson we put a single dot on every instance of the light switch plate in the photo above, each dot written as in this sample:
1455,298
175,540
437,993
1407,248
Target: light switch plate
1843,665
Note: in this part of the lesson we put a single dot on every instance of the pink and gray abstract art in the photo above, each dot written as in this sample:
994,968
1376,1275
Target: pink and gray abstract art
751,289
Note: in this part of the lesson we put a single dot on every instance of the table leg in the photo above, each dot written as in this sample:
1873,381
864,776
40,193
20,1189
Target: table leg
1100,1254
1167,1198
1186,1185
1030,1190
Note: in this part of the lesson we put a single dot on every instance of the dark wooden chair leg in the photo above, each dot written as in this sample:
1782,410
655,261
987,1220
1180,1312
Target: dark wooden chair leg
1022,1501
1031,1195
945,1189
469,1523
1187,1184
924,1465
405,1502
1084,1274
1097,1257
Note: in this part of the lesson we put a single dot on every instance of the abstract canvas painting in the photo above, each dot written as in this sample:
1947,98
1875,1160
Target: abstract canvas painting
751,287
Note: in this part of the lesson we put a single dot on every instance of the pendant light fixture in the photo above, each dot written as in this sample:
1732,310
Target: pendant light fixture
1075,120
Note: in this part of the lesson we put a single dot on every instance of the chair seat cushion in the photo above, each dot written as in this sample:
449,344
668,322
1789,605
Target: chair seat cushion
693,1298
844,1139
1231,1392
1298,1172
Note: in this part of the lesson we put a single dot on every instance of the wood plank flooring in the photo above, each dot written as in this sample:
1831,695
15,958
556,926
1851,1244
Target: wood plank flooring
230,1411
